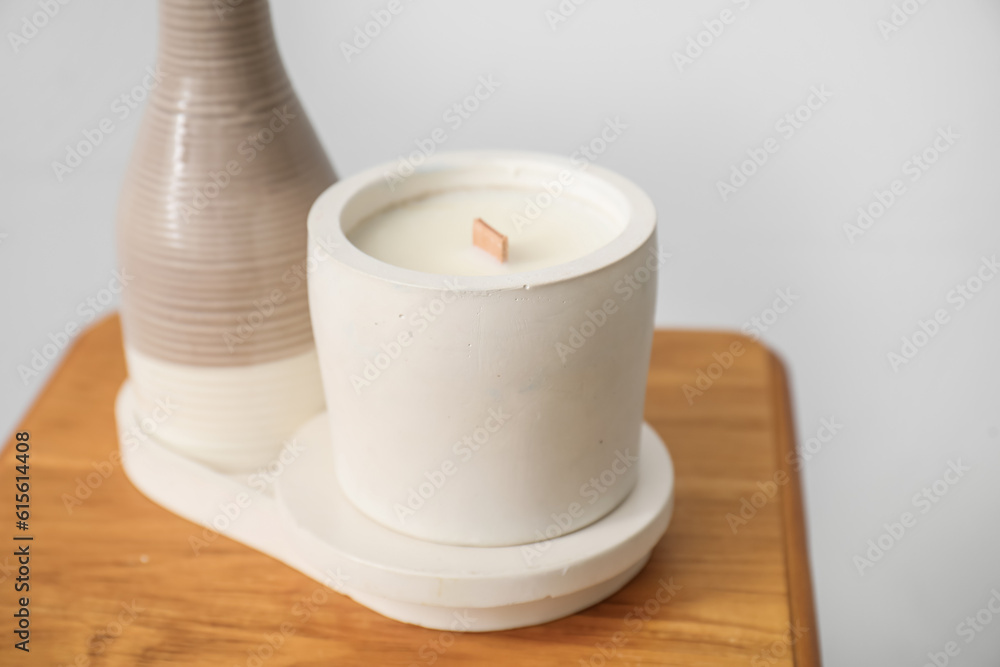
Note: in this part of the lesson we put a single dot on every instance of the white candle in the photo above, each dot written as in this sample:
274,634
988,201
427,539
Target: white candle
434,233
471,402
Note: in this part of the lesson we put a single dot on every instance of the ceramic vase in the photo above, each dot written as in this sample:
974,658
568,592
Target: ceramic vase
212,235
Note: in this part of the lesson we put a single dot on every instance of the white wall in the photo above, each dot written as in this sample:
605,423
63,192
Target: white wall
782,230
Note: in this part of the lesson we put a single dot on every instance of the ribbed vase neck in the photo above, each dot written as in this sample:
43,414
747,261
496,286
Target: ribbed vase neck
216,39
219,58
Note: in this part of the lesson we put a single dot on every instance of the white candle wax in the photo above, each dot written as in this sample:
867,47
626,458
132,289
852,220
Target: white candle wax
434,233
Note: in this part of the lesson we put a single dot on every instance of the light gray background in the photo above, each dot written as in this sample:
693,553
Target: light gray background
782,230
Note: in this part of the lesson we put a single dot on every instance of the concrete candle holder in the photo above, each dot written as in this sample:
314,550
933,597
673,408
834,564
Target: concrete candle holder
462,408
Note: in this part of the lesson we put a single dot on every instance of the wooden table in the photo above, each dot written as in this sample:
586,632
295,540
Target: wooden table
114,580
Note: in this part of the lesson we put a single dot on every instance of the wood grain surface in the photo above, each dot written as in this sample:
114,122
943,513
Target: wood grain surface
115,581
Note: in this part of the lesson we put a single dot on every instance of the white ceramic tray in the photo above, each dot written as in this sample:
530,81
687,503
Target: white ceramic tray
301,518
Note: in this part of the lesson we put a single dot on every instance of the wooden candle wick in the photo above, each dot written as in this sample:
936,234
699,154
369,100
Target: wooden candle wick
489,239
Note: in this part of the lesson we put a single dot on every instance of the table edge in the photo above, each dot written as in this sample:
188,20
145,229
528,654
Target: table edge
802,611
802,607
